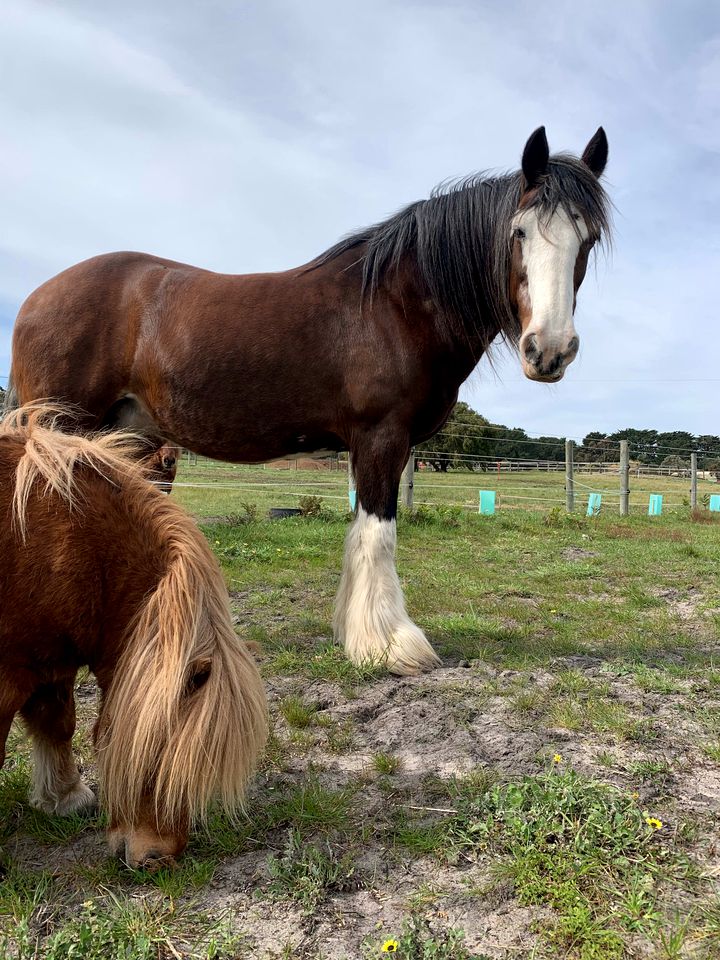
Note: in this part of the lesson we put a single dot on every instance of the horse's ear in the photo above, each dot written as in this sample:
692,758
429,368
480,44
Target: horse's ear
595,153
535,158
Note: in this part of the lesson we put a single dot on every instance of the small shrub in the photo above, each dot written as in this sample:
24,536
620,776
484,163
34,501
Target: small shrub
248,513
308,873
699,515
386,764
558,517
297,713
436,516
311,506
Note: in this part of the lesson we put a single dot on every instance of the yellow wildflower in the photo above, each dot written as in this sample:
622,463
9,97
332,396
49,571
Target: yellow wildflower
653,822
557,758
390,946
634,795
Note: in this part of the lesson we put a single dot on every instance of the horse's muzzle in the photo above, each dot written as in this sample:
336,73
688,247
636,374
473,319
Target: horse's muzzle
544,364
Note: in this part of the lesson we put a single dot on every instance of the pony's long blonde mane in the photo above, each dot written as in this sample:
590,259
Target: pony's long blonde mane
187,709
185,716
52,457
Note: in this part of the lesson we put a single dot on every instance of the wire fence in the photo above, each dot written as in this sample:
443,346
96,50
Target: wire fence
212,487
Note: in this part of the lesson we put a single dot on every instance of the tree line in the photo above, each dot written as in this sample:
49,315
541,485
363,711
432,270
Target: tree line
469,440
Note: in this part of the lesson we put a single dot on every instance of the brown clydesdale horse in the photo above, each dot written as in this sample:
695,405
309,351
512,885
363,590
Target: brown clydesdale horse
100,570
363,349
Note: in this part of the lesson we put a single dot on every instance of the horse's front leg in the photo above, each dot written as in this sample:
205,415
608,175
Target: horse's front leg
370,617
50,718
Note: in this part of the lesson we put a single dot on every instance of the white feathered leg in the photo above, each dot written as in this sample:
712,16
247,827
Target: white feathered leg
57,787
370,616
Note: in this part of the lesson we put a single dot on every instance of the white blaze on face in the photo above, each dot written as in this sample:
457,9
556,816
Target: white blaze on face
549,252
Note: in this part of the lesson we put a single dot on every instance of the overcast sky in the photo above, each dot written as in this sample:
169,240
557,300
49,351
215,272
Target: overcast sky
244,136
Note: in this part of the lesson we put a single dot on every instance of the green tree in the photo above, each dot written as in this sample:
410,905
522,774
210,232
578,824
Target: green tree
463,438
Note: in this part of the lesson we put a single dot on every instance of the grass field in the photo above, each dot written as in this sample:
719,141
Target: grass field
269,486
553,791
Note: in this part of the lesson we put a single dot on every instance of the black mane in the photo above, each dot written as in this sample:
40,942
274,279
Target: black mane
459,239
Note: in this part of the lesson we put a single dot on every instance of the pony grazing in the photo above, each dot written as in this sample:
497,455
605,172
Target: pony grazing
363,349
100,569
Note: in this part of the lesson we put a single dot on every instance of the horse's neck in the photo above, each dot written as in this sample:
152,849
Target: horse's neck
458,349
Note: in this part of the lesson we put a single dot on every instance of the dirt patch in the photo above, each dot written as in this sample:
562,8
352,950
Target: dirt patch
577,553
451,722
682,604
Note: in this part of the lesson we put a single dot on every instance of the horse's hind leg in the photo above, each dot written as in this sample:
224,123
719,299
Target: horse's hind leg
50,718
370,616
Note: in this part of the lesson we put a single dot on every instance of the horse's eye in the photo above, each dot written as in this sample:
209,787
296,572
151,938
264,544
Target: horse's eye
519,233
577,216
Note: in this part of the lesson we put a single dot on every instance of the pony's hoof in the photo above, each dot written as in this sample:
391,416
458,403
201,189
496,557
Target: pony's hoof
80,799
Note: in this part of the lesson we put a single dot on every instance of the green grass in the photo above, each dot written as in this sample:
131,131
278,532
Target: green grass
568,842
386,764
261,487
597,634
417,941
297,712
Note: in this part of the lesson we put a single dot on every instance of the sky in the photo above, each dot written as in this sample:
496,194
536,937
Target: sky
247,136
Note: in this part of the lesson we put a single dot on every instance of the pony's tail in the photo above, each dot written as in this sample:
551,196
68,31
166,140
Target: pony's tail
185,716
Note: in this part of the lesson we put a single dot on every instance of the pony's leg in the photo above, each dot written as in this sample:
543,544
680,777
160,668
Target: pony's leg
370,616
50,718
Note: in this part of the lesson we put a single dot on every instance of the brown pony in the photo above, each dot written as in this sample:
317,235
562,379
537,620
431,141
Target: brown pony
99,569
363,349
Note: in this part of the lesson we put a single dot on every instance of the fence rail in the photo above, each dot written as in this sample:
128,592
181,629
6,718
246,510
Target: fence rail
518,484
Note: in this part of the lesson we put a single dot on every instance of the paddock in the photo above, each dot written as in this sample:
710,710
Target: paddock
578,653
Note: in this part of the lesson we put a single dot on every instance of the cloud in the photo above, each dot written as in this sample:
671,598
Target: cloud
250,136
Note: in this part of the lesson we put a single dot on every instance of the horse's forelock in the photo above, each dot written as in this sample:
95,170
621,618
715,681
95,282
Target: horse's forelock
569,184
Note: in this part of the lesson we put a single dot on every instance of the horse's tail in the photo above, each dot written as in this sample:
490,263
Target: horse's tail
185,716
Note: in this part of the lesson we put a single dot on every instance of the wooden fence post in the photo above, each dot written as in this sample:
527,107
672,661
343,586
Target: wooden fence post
624,478
569,479
408,482
693,480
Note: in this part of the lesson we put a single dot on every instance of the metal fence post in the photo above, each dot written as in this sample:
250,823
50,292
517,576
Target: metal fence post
624,479
408,482
569,478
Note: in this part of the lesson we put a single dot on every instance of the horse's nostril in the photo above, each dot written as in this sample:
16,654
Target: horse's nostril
531,350
573,347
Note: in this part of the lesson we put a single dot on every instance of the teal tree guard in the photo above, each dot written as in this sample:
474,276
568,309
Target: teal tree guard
594,504
487,502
